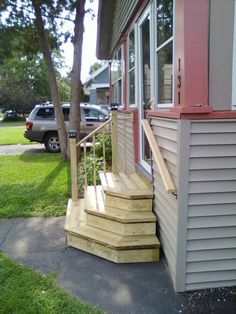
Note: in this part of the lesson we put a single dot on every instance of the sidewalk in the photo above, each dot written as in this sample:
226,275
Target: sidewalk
21,149
125,288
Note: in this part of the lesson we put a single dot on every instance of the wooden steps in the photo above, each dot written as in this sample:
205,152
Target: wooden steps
122,235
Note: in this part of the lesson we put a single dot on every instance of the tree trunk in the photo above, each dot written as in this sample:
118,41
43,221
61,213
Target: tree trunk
51,77
74,121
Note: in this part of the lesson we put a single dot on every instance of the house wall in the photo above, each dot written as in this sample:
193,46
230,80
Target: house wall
221,54
123,12
165,204
102,77
198,229
92,96
211,226
126,162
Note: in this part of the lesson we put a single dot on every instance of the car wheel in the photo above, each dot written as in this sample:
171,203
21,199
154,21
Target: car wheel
51,143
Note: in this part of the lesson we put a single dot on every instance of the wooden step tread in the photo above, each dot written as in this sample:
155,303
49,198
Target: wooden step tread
79,227
129,186
123,216
113,240
94,205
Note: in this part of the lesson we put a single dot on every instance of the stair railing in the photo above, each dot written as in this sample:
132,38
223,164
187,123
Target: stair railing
157,156
123,120
75,163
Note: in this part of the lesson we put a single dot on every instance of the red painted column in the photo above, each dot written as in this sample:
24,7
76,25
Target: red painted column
191,56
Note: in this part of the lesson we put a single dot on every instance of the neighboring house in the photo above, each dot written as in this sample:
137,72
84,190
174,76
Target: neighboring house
97,86
174,63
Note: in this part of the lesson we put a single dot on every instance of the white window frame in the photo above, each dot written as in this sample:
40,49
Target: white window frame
118,78
132,105
157,49
147,11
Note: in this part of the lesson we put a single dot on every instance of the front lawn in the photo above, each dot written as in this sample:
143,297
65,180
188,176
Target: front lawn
23,290
10,135
11,123
34,185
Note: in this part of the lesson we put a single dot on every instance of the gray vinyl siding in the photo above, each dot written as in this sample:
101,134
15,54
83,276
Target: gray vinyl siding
221,54
165,204
211,227
125,145
123,13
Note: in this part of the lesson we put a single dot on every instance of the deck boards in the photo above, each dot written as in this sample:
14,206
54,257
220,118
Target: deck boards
115,220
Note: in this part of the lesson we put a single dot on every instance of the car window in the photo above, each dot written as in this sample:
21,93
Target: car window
92,114
45,113
66,112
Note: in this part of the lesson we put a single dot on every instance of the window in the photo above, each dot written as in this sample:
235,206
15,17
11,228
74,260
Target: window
131,68
164,51
45,113
93,115
116,77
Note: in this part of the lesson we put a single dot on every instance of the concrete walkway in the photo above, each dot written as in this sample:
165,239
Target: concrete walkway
132,288
22,149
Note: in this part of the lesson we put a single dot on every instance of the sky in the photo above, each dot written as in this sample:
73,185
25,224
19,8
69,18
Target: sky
89,43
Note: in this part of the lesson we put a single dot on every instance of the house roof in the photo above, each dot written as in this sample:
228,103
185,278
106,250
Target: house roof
103,68
106,11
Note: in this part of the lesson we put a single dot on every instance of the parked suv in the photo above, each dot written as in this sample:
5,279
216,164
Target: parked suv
41,124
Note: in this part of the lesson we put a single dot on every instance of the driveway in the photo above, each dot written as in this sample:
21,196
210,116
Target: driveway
21,149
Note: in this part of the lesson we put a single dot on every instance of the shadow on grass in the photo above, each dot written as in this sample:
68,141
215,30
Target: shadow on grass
47,198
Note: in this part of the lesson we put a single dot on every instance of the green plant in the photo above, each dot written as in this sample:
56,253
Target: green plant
101,139
97,163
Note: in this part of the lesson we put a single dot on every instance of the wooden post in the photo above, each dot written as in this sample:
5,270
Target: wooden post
74,166
114,135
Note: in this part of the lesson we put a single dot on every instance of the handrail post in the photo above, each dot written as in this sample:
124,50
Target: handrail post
74,166
114,135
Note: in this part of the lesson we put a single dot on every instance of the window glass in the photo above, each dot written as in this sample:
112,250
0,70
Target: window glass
45,113
164,20
131,47
92,114
165,74
66,112
131,63
132,87
116,75
146,64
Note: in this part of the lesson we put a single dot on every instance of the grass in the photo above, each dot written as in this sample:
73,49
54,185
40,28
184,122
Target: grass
12,123
34,185
12,136
23,290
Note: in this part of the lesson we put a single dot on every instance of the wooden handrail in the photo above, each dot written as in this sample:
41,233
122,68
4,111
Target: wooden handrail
164,172
74,161
93,132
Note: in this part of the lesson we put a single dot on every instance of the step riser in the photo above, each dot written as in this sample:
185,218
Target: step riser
120,228
128,204
117,256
